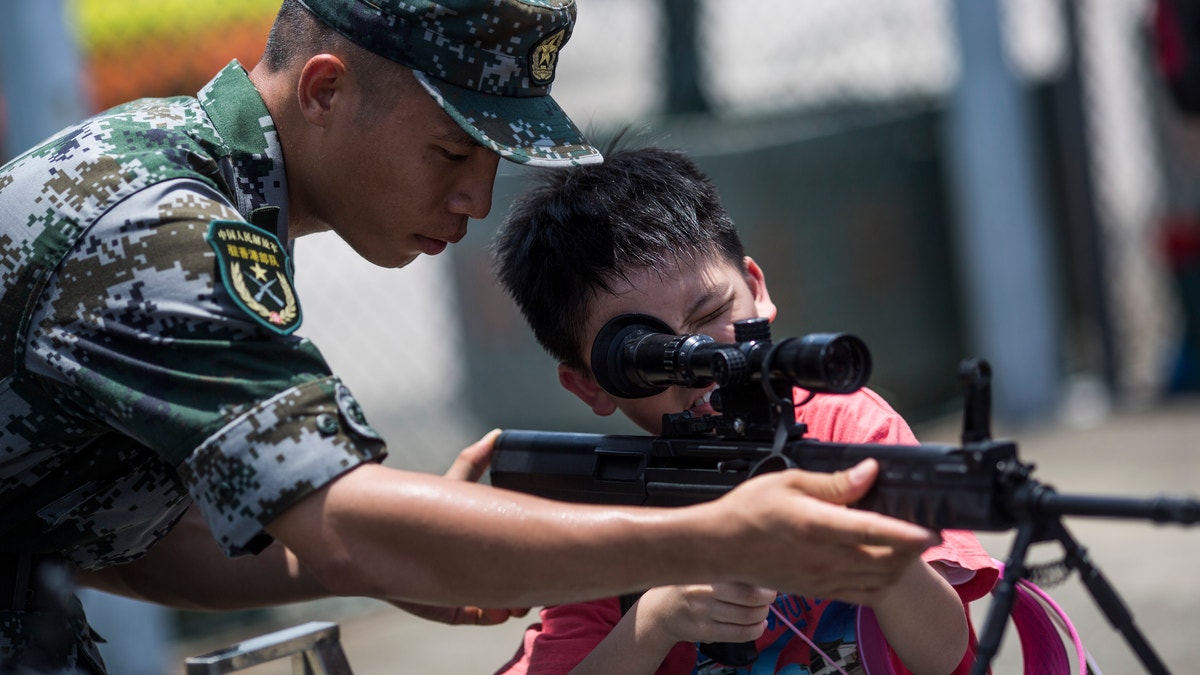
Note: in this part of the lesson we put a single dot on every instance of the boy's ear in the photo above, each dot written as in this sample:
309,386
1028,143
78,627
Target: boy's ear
758,286
586,388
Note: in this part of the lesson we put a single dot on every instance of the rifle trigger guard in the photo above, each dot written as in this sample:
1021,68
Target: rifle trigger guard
776,460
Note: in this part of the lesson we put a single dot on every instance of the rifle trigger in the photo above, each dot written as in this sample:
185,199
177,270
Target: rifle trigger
733,466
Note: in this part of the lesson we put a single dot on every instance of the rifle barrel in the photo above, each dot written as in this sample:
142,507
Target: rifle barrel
1160,509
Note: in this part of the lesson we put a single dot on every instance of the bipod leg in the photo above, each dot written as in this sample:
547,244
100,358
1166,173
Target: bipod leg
1003,596
1108,601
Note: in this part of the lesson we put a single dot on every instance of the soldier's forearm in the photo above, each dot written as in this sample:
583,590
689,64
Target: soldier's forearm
187,570
398,535
405,536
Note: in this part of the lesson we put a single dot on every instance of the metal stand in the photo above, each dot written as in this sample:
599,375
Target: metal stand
1037,510
1076,558
314,648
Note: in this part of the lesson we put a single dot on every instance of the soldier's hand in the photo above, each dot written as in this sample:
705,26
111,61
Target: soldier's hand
474,459
793,532
461,616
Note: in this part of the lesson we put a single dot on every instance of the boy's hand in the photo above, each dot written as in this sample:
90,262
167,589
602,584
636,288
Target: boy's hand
722,612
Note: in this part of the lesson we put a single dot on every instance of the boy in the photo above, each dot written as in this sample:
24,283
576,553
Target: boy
645,232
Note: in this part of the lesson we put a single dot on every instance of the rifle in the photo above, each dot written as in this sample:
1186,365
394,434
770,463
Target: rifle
980,484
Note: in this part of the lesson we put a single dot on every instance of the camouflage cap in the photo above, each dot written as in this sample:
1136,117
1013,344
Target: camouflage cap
488,63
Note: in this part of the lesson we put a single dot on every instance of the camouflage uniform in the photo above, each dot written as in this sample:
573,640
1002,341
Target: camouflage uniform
136,378
147,354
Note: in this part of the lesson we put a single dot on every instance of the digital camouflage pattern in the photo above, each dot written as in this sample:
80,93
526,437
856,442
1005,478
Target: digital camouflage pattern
57,643
488,63
134,379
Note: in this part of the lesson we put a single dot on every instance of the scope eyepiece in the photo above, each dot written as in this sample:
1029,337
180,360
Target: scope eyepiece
637,355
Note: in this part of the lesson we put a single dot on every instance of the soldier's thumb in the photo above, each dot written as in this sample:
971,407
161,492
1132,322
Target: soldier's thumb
842,487
474,460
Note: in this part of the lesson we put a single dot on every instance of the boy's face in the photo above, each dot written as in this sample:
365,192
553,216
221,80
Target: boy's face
705,297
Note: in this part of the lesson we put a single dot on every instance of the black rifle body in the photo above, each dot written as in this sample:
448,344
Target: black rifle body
937,486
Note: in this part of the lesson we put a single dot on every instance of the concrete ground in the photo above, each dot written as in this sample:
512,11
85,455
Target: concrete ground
1152,567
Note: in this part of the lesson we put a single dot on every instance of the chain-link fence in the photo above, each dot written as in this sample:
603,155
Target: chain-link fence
841,108
838,105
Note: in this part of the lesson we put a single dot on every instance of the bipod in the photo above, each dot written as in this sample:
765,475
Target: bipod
1037,511
1076,558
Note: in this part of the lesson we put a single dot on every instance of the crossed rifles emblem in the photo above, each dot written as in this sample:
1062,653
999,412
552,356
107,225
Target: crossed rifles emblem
264,286
284,309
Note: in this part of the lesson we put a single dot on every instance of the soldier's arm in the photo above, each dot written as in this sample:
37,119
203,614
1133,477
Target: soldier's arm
187,570
398,535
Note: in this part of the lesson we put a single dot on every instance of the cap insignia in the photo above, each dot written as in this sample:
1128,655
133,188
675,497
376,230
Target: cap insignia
544,57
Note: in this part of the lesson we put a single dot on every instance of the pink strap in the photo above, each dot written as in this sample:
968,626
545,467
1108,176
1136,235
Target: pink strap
1041,645
1063,623
807,639
871,645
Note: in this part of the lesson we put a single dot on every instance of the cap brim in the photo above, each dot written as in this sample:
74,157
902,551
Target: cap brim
531,130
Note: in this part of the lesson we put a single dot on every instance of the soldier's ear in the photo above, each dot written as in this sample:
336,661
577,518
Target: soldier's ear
586,388
321,80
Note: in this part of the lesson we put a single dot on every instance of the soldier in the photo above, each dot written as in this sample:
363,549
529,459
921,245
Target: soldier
166,434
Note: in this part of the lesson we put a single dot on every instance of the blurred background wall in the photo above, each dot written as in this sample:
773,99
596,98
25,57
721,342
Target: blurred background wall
945,178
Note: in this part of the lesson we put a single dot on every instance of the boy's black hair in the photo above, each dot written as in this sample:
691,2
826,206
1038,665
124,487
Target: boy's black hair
578,229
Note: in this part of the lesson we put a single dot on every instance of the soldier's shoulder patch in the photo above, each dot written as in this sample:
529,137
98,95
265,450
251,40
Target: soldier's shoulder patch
256,272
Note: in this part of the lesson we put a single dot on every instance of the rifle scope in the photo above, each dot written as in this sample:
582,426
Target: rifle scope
637,355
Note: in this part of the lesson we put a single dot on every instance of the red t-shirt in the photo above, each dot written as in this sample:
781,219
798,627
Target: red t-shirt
567,633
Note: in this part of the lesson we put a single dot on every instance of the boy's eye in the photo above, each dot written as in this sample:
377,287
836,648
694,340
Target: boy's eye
453,156
711,323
